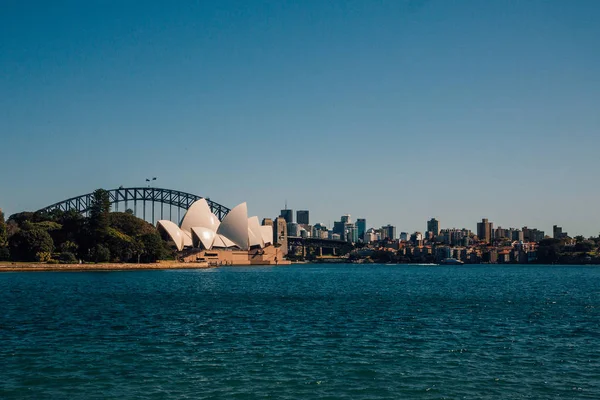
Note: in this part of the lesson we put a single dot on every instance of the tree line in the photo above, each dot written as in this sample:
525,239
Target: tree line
69,237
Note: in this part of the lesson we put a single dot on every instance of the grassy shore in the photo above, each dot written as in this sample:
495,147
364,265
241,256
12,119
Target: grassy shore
32,267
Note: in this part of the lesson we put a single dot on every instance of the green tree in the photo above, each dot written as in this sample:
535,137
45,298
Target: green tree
585,246
99,220
129,224
548,251
153,247
21,218
27,243
72,233
4,254
120,245
67,258
68,247
100,253
3,230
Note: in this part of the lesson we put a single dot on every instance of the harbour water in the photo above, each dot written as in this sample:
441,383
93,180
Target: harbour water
303,332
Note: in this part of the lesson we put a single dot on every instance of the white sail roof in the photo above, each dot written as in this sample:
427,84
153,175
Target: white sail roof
187,239
235,226
228,243
199,215
254,234
204,236
218,242
173,231
267,234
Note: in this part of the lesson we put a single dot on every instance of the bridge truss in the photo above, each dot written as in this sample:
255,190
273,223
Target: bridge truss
132,196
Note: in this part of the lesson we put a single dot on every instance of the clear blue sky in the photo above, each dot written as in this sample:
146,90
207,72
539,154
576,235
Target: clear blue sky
395,111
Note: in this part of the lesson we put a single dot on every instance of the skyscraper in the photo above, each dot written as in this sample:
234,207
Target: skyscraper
351,233
346,219
556,232
433,225
302,217
288,215
388,232
338,227
484,230
361,226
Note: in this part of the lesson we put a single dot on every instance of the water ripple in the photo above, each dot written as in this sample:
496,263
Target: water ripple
335,332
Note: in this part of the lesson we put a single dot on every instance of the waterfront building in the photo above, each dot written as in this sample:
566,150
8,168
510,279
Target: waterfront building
433,225
442,253
237,239
302,217
484,230
453,236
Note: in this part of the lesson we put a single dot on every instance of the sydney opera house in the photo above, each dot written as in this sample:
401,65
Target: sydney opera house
237,240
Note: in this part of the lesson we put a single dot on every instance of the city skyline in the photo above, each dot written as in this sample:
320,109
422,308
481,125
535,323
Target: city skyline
290,213
397,112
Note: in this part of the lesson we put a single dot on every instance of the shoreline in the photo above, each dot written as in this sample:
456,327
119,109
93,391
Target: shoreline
34,267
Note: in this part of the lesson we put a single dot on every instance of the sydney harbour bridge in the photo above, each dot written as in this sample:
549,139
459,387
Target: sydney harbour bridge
148,203
151,204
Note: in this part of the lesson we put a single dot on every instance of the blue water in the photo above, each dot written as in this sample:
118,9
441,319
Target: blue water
303,332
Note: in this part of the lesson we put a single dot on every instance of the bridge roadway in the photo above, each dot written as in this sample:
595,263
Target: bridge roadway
156,196
315,243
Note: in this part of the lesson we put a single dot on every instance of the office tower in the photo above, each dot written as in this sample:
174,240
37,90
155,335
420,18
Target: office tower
293,229
361,226
388,232
484,230
518,235
433,225
302,217
346,219
350,233
288,215
557,232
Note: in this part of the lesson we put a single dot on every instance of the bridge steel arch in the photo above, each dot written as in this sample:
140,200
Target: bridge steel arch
128,196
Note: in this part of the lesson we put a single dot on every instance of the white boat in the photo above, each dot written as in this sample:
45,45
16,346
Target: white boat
451,261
